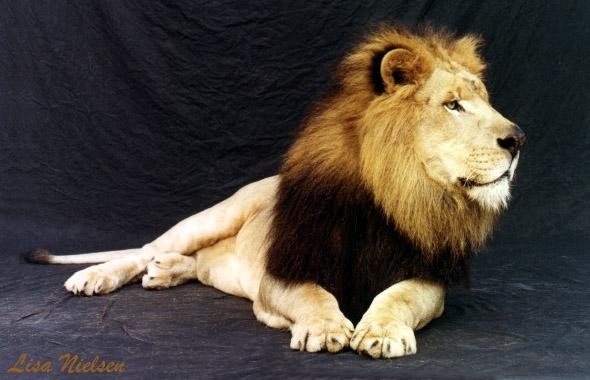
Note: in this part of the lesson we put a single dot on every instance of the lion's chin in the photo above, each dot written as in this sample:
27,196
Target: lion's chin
494,196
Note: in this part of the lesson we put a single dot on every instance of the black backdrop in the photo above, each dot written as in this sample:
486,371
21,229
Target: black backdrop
117,119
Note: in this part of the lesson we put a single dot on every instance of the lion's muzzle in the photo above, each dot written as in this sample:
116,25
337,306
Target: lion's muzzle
514,141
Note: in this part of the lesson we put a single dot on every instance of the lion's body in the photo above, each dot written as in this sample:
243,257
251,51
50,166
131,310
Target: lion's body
344,242
388,189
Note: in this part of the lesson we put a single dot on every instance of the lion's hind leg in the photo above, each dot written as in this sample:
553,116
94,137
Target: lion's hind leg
107,277
205,233
215,266
165,270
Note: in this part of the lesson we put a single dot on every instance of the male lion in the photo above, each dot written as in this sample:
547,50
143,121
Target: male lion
388,189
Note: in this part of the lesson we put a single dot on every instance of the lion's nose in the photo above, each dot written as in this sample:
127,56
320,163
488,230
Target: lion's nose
514,141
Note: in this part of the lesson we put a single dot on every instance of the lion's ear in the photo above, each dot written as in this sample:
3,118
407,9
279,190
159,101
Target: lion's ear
400,67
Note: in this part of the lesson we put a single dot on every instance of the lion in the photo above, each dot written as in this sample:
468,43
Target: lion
391,185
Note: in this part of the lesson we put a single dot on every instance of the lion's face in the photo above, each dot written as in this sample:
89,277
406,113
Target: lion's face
463,143
434,118
412,126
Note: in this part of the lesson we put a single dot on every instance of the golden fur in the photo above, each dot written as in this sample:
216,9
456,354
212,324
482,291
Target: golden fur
388,188
379,130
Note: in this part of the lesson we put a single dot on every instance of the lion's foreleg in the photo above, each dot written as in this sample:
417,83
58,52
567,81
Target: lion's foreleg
311,313
387,328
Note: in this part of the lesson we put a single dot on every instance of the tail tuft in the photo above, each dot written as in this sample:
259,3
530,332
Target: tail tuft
38,256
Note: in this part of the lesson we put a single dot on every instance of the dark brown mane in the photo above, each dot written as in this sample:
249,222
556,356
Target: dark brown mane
339,221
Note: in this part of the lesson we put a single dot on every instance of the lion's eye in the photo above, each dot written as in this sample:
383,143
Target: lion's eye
454,105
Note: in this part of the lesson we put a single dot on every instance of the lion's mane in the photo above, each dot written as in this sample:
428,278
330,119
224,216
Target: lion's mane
358,217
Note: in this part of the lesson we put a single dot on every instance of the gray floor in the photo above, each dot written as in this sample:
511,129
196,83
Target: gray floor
522,317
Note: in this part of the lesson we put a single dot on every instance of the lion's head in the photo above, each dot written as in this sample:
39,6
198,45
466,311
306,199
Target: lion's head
464,144
413,120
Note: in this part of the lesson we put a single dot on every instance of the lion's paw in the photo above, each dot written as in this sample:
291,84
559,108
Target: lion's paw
383,338
97,279
168,269
318,334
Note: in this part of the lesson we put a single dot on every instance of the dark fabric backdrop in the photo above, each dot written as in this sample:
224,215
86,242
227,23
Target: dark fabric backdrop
119,118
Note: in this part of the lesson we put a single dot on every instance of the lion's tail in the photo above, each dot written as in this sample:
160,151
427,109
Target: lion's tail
42,256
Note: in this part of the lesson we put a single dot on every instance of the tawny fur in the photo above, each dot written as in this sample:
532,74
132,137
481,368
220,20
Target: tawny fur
357,133
402,171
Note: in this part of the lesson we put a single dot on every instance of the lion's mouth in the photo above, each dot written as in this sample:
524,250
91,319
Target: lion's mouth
465,182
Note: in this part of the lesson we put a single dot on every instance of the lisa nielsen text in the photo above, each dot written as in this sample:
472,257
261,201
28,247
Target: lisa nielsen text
69,363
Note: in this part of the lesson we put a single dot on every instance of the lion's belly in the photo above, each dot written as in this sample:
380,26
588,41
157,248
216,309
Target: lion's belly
251,249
